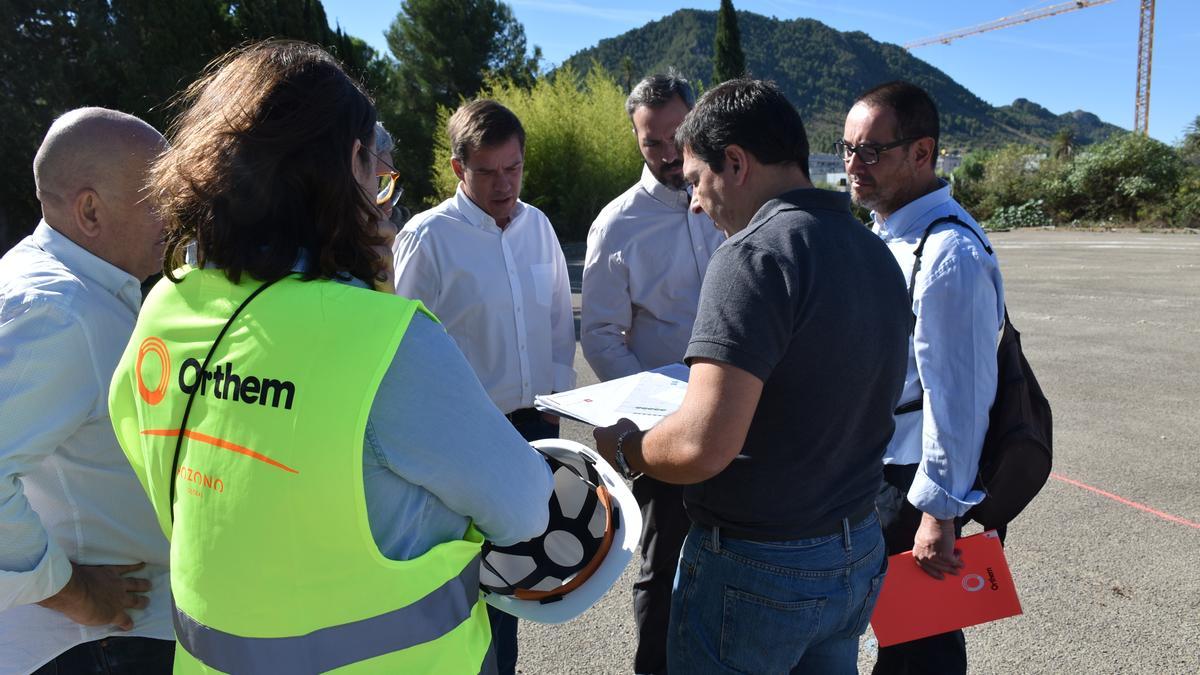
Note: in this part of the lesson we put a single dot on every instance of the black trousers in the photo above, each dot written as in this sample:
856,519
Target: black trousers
665,525
114,656
944,654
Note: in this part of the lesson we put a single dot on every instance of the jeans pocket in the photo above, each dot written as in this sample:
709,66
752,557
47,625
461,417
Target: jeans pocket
766,635
871,596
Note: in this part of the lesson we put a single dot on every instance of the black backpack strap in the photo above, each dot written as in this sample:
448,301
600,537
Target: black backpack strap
915,405
912,279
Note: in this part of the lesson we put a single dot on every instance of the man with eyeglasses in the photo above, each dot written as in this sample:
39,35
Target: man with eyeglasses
491,268
957,296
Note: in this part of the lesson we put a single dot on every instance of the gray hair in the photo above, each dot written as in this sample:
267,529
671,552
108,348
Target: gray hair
383,140
658,89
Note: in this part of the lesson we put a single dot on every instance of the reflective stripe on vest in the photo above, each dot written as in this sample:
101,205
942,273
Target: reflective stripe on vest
429,618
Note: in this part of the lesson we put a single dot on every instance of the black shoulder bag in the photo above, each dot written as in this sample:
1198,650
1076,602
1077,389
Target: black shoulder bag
1017,449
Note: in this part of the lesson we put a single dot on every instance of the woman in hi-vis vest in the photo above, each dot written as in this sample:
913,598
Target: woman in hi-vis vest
319,453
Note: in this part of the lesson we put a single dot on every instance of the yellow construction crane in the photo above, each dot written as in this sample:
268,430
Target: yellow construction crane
1141,117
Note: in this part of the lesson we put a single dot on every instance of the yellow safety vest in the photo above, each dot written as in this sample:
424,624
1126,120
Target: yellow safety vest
273,565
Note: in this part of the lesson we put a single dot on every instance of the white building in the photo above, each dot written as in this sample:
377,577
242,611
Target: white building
821,163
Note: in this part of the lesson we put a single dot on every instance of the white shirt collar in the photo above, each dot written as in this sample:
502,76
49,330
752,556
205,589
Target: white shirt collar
663,193
910,216
82,261
476,215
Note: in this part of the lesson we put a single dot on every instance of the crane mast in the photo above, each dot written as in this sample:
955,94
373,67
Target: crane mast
1141,112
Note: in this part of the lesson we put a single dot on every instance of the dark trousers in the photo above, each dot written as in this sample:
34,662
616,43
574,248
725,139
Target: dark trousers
665,524
533,427
944,654
114,656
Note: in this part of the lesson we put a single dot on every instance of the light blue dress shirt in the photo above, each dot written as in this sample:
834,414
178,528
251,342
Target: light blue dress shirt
437,451
959,305
67,493
646,258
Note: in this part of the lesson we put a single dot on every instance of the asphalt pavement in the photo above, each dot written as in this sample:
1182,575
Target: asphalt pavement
1107,559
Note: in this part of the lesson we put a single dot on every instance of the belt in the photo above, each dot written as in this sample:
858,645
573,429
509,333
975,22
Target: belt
824,529
523,415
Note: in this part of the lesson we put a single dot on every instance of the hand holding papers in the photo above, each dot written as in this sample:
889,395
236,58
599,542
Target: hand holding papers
914,605
644,398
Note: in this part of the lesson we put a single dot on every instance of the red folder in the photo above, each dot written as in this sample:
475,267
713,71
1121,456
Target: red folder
914,605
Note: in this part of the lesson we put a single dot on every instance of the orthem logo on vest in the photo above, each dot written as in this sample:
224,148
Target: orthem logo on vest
229,386
153,346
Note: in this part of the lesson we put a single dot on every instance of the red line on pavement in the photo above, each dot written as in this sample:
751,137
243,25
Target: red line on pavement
1126,502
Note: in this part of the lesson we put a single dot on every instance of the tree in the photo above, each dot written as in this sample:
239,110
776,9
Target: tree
627,72
728,60
570,121
1189,147
1063,144
132,55
444,53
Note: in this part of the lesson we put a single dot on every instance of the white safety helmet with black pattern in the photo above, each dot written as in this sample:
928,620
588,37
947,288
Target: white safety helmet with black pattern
594,528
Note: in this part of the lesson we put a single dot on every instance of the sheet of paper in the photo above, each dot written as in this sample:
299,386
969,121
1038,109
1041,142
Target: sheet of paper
914,605
644,398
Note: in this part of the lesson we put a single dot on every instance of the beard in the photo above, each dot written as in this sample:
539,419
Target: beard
670,174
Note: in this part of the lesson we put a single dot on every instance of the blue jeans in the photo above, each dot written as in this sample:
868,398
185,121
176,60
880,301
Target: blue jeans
114,656
774,607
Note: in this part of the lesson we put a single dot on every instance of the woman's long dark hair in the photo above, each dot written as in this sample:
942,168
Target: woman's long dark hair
260,170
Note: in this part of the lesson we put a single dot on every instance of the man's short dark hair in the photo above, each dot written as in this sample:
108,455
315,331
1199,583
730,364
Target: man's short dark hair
479,124
916,114
657,90
753,114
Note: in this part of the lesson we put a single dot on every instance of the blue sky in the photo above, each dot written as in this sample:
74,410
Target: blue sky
1079,60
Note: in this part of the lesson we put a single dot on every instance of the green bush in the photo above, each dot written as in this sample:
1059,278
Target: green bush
990,181
1184,209
1125,179
580,150
1029,214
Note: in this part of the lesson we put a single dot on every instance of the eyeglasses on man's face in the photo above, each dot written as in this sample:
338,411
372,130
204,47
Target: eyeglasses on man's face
867,152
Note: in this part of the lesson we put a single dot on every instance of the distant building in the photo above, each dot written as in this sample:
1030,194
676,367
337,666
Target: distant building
837,181
946,164
821,163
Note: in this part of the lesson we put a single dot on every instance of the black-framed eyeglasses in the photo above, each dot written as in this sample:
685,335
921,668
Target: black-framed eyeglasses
389,190
868,152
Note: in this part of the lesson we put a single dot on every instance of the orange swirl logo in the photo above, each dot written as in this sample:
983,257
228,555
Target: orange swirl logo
153,345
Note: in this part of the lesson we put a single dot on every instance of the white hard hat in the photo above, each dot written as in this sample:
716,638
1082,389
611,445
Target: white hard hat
594,527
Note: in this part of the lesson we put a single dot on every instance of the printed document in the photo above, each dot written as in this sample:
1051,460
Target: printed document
645,398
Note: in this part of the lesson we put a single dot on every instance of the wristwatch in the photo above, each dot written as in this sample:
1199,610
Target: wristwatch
622,463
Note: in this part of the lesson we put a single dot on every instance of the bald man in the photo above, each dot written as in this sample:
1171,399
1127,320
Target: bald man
83,563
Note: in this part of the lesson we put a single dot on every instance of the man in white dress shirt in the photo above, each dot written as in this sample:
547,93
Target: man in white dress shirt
83,563
491,268
890,148
646,257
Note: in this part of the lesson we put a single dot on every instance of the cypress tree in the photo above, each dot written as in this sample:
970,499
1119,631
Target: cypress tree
728,60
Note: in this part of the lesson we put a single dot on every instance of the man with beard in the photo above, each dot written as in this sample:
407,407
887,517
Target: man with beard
957,301
646,257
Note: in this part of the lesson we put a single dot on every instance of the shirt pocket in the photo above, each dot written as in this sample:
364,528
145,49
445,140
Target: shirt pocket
543,282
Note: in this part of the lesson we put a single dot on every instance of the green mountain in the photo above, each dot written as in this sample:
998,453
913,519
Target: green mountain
822,70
